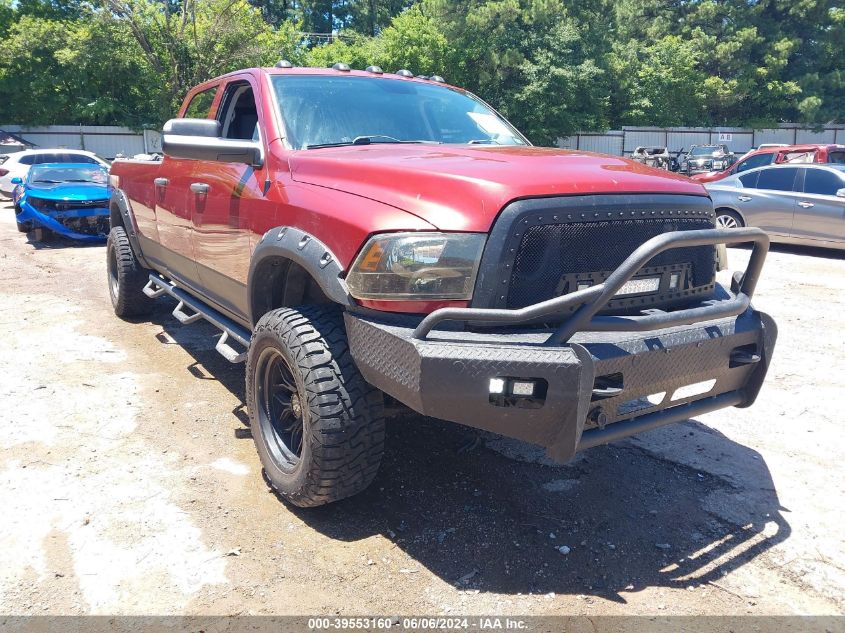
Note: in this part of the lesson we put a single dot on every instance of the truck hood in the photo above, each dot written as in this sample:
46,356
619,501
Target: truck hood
76,191
463,188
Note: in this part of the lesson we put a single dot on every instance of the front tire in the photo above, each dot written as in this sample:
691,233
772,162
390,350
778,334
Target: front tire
126,277
317,425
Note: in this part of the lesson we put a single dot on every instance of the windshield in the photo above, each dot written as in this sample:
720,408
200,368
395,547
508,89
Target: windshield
326,110
64,173
702,151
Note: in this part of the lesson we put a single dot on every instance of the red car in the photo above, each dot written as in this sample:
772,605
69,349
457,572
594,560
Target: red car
774,155
364,239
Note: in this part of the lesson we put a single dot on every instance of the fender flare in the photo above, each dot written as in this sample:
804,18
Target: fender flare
308,252
121,202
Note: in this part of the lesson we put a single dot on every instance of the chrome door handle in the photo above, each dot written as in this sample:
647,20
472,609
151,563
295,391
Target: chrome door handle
161,182
806,205
744,198
199,187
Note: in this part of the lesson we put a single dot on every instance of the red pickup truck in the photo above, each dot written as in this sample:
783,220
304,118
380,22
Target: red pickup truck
813,153
363,238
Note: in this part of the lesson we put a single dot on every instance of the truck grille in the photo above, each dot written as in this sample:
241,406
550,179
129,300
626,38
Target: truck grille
550,252
543,248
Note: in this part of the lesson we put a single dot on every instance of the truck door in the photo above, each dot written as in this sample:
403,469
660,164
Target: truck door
224,197
174,202
820,213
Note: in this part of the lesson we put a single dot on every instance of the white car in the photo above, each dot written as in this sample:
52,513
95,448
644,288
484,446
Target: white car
18,163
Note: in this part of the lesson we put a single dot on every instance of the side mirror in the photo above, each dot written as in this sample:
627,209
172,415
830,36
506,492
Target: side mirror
200,139
840,193
19,181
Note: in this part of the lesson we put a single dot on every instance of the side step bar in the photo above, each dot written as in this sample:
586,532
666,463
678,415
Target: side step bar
158,286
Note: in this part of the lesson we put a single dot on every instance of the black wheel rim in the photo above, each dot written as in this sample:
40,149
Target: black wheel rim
281,408
114,280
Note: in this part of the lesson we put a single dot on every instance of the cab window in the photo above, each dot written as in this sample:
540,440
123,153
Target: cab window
800,157
238,115
752,162
200,105
836,158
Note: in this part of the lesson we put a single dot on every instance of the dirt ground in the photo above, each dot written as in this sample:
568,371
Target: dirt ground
129,483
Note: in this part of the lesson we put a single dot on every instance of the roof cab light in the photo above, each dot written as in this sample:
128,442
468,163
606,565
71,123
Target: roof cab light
341,66
405,73
283,63
376,70
417,266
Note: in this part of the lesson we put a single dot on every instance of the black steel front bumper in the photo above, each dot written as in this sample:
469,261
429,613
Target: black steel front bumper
596,378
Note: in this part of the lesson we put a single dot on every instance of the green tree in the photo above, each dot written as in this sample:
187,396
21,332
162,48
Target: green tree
199,39
7,17
369,17
660,83
412,41
551,66
78,71
534,60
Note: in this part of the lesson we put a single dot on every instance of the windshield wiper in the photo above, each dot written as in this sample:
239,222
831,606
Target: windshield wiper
367,139
50,182
372,140
483,141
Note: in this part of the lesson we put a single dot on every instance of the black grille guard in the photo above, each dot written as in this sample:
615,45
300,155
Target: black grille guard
592,300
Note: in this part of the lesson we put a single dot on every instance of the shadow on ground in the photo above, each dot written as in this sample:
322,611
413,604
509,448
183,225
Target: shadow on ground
808,251
480,512
53,241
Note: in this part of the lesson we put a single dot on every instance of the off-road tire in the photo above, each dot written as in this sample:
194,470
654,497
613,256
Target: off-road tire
125,276
342,415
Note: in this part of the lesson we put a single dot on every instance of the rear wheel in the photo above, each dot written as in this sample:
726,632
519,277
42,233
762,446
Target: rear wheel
126,277
727,219
317,425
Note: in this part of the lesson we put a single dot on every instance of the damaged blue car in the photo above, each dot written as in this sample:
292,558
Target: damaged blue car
68,199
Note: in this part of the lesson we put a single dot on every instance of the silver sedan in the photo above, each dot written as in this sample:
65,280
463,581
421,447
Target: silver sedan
795,204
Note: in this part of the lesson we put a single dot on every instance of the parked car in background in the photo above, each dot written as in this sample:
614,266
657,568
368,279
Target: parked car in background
17,165
777,154
658,157
704,158
70,199
794,203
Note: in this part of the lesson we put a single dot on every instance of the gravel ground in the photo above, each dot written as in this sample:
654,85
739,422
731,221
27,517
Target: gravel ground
129,483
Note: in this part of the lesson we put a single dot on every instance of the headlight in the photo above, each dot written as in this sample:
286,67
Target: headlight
417,266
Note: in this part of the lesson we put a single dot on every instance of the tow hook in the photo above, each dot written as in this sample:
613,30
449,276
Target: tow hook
599,416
